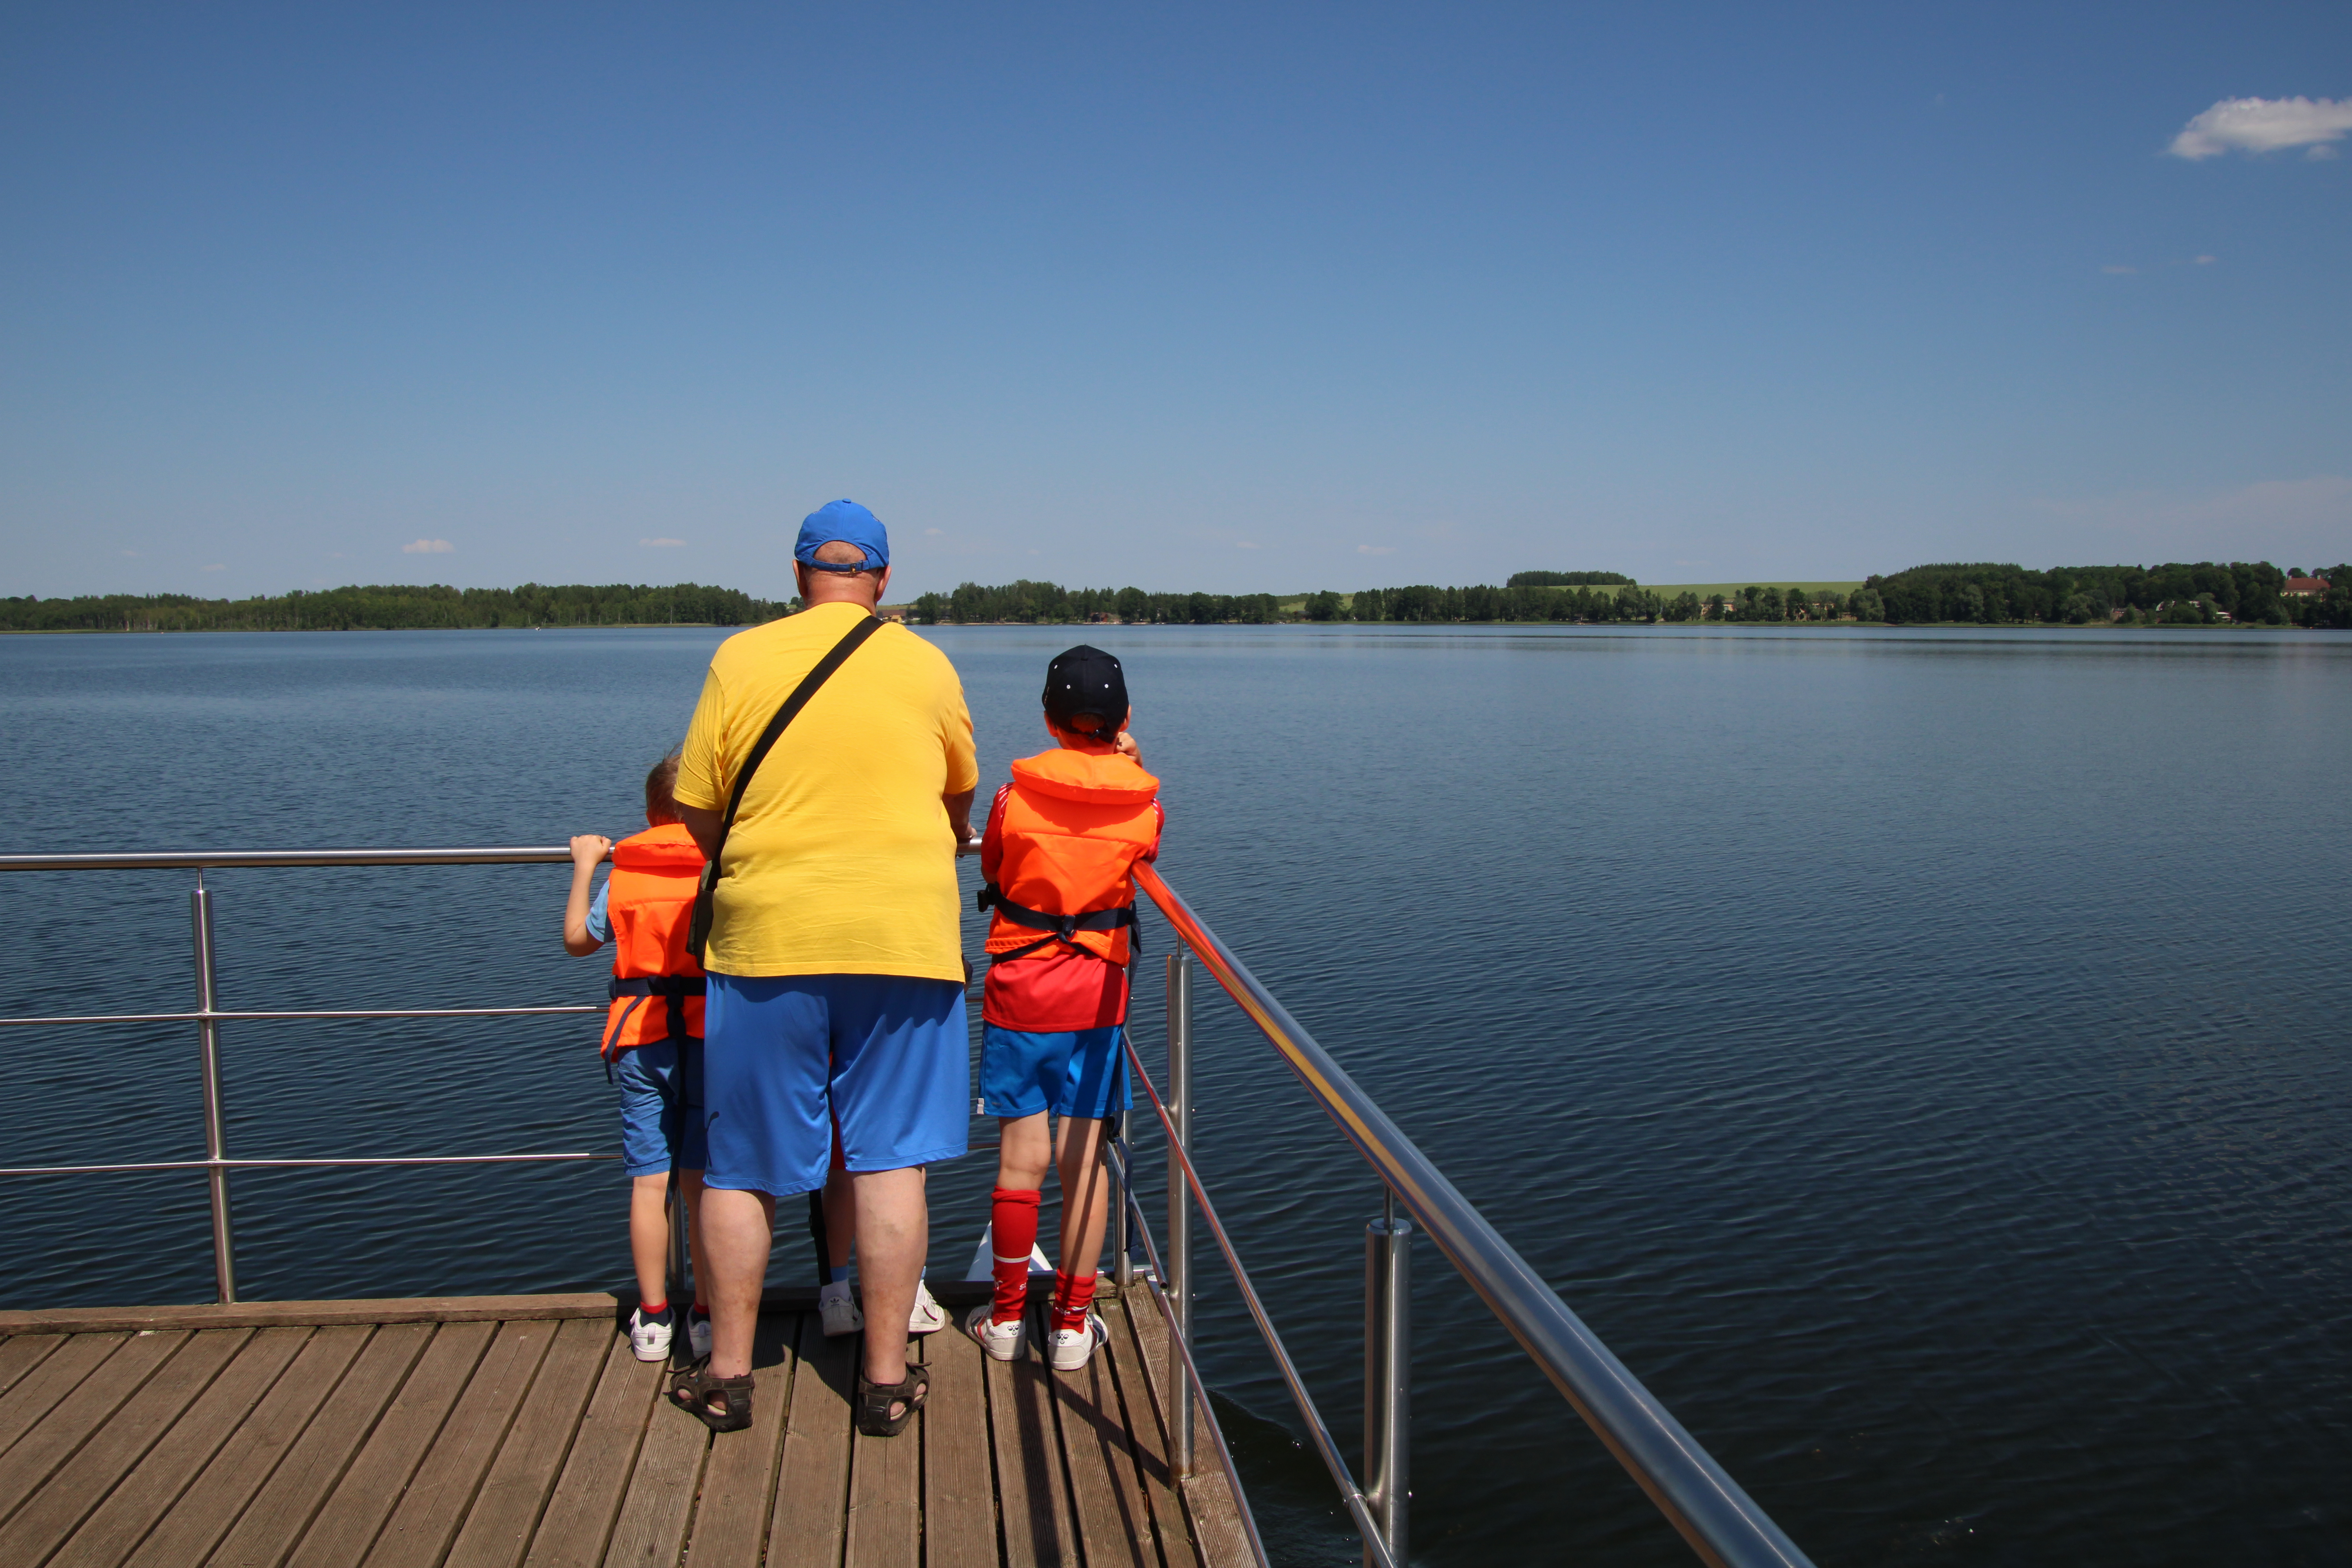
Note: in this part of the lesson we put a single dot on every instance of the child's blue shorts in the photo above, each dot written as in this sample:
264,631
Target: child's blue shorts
1070,1072
661,1108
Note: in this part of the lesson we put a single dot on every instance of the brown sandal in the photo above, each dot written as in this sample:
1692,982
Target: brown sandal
695,1391
875,1399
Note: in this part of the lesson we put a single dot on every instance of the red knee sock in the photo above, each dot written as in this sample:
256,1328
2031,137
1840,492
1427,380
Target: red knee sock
1012,1233
1072,1295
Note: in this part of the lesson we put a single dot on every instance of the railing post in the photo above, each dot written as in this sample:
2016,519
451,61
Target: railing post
1179,1283
1114,1164
1388,1374
200,919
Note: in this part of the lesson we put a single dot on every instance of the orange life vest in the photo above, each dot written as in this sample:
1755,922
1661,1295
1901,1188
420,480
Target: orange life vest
1075,824
657,987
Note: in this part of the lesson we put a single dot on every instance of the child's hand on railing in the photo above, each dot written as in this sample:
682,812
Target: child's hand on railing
590,848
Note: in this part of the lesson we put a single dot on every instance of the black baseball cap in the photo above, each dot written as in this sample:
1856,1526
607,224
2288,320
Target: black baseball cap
1085,682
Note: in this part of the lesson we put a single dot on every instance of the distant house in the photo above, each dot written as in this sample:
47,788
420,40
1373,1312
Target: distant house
2304,588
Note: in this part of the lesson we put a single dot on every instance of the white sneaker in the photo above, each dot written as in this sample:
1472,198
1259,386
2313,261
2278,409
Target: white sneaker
1003,1342
649,1340
697,1333
839,1309
928,1317
1073,1348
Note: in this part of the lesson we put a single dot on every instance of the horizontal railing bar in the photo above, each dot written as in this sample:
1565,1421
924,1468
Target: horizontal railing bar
1697,1495
208,859
1183,1348
1358,1506
287,1164
227,1017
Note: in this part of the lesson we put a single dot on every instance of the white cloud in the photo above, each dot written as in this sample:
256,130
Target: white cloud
2119,272
2266,125
216,566
661,544
428,547
935,533
2321,152
2202,262
1376,550
1247,545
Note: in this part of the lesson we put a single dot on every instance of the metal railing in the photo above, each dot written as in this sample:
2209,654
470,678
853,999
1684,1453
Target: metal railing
1715,1516
208,1016
1718,1520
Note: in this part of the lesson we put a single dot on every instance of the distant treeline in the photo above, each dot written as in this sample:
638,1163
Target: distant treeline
2176,594
1050,601
395,608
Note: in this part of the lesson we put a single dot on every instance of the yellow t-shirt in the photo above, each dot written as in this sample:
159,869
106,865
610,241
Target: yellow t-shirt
841,861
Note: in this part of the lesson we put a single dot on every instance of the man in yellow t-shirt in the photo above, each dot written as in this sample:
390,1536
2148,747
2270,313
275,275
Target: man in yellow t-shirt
835,958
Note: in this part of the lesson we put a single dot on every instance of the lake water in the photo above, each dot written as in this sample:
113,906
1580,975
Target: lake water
1922,1056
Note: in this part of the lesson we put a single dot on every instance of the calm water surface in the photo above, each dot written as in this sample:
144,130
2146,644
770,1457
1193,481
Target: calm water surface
1922,1056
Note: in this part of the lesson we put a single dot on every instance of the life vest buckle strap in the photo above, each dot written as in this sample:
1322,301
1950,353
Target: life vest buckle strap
657,985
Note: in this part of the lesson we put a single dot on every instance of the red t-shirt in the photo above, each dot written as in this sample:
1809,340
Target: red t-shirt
1056,987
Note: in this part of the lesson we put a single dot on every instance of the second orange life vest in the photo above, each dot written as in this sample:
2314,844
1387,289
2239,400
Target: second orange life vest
1075,824
657,987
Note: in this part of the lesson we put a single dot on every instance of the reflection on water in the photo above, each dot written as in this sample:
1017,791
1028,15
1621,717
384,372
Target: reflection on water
1920,1055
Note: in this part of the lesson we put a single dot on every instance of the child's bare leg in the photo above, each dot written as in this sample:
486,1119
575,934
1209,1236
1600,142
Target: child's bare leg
649,1234
1025,1152
1085,1194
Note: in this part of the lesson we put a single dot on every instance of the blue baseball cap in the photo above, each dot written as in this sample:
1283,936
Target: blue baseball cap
849,524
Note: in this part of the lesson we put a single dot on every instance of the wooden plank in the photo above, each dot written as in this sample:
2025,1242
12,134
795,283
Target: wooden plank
53,1513
38,1390
613,1305
22,1353
1114,1527
249,1460
497,1531
110,1533
579,1518
1033,1494
959,1493
278,1314
84,1409
346,1522
438,1496
813,1485
651,1529
1147,1437
885,1528
1210,1507
738,1480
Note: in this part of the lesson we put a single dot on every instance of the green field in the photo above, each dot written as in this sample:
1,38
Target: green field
1706,590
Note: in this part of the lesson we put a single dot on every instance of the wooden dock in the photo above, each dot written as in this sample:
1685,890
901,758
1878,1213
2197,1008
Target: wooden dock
500,1432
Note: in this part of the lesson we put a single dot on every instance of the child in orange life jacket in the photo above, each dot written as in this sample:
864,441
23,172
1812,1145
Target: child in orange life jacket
1062,841
653,1040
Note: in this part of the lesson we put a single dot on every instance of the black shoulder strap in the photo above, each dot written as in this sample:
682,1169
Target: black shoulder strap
698,931
834,660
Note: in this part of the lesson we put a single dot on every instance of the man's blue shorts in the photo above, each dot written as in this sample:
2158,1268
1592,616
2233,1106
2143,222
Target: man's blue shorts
1072,1072
661,1107
788,1057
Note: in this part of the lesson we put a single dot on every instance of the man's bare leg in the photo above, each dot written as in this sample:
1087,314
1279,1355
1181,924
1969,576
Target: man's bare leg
894,1234
736,1229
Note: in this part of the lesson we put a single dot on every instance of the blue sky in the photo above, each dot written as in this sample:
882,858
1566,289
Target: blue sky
1255,297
